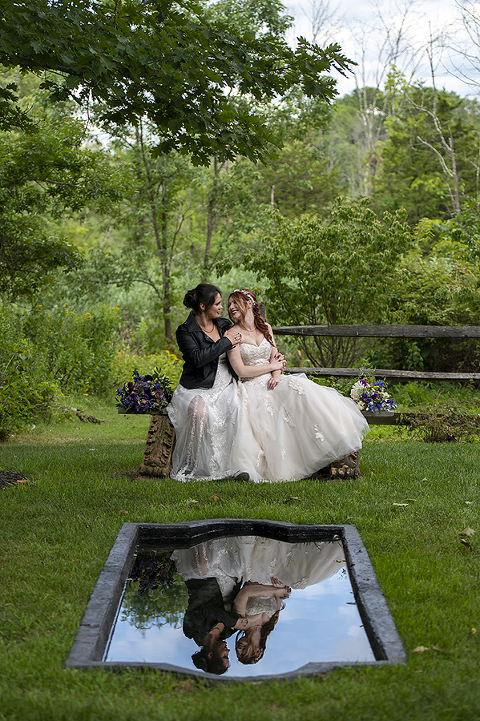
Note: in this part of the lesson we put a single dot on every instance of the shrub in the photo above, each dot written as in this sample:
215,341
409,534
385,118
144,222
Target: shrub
77,347
124,363
26,394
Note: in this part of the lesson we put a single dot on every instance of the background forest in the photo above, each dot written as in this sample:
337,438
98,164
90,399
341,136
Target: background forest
363,209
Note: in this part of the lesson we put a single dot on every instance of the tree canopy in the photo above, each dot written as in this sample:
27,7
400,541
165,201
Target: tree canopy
337,271
196,76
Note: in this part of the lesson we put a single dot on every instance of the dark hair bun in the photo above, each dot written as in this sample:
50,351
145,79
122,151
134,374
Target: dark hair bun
204,293
190,300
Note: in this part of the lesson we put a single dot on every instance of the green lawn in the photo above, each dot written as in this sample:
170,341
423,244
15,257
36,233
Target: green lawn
56,532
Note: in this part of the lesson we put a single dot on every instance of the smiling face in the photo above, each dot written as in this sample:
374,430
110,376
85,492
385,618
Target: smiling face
215,310
236,309
221,651
249,646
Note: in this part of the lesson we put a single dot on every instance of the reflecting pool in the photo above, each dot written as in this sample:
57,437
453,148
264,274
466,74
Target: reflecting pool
242,606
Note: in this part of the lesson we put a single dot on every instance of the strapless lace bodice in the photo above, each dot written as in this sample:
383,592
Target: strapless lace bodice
261,604
256,355
253,355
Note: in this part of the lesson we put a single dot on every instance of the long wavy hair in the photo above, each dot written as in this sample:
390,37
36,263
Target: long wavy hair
241,297
247,655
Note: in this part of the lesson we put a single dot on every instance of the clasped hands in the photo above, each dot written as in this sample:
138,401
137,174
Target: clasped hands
278,584
279,360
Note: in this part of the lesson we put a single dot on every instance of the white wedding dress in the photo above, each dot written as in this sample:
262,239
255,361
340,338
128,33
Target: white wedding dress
294,430
232,560
297,565
219,558
205,422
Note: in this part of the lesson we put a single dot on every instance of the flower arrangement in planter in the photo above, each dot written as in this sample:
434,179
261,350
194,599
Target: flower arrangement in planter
372,395
145,394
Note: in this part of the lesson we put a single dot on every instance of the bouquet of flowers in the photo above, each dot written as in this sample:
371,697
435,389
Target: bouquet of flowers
371,395
147,394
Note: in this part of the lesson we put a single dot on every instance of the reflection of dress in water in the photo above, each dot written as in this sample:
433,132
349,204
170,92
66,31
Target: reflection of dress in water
218,558
257,559
295,564
294,430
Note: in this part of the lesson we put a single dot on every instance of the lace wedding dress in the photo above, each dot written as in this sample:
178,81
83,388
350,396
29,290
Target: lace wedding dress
233,560
218,558
297,565
205,421
294,430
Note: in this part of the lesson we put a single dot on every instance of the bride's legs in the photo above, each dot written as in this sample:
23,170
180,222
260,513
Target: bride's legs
197,420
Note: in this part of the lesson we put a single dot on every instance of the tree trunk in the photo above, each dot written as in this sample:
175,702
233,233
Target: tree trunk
161,240
210,220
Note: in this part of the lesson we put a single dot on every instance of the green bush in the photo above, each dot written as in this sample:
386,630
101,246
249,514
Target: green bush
77,347
26,393
437,283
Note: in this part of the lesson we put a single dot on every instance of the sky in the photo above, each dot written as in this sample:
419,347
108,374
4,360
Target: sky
362,28
320,623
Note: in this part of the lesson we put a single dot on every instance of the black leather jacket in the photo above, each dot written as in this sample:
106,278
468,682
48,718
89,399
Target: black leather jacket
206,608
201,353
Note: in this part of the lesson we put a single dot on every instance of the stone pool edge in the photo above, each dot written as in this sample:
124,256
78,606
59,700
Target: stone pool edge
90,642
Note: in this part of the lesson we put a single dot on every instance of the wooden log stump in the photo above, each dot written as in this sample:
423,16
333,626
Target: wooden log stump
345,468
157,458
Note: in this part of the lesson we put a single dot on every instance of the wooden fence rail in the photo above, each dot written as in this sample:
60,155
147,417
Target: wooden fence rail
389,373
384,331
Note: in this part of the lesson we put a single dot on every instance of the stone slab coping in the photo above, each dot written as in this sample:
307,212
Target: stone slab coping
89,646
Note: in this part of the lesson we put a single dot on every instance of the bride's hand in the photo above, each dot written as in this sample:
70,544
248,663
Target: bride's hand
241,624
278,365
272,383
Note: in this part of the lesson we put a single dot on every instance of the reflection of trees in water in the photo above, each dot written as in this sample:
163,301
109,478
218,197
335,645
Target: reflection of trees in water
156,594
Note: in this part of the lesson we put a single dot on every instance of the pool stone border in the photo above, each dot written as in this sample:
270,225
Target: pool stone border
90,644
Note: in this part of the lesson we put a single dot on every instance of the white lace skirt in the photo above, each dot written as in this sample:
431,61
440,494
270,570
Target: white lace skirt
294,430
219,557
205,422
295,564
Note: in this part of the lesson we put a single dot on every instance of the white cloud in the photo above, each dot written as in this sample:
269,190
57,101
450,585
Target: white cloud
362,28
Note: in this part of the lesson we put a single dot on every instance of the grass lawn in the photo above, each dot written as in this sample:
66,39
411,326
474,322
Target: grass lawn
57,530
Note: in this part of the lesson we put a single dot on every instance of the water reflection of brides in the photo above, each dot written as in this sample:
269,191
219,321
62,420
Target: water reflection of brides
270,564
260,604
269,569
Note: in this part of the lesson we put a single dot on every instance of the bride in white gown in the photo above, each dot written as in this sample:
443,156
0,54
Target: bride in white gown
273,568
288,427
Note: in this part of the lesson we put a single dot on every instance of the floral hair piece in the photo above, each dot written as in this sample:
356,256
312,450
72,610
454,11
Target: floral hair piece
245,292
